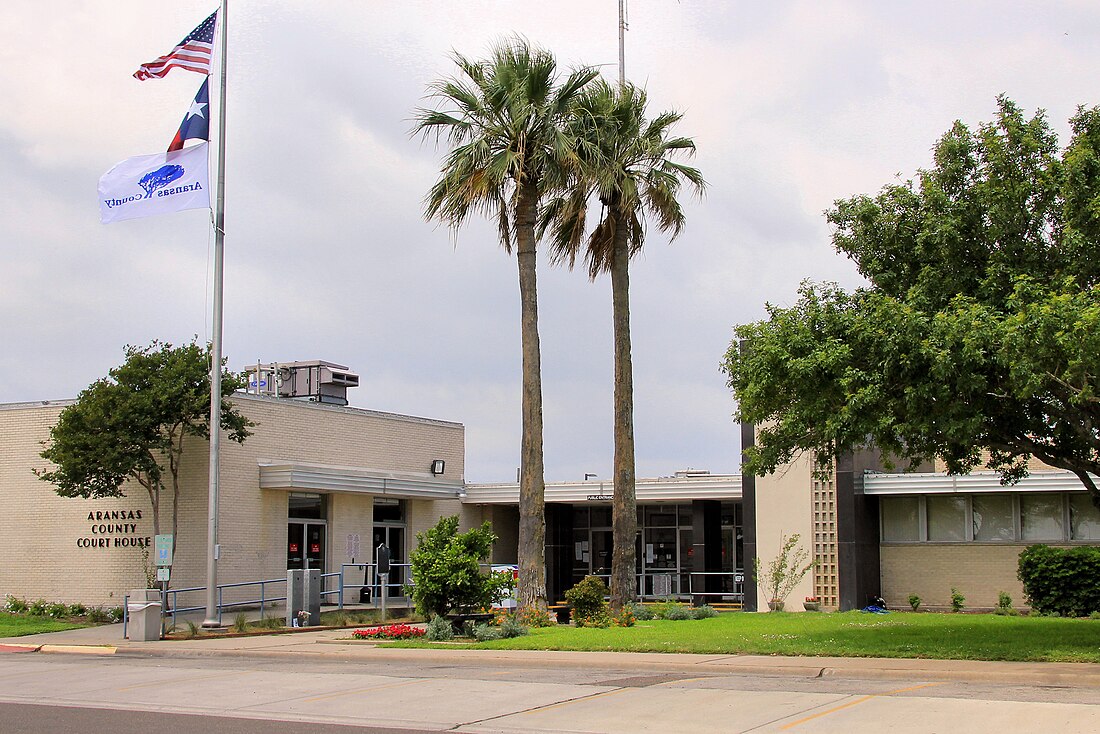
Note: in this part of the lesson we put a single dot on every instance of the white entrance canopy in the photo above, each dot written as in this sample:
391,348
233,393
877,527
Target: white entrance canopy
663,489
305,477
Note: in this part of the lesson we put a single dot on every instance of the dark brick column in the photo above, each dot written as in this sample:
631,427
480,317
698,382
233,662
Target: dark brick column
559,550
748,517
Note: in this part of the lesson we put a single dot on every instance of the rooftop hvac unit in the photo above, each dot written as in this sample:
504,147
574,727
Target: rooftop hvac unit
316,381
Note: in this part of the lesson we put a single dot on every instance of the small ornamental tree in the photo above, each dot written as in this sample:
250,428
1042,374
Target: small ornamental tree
446,573
131,426
783,572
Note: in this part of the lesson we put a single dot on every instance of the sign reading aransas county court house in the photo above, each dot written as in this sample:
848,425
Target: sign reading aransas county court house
114,529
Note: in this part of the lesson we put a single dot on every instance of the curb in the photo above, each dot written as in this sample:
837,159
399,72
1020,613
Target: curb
19,648
79,649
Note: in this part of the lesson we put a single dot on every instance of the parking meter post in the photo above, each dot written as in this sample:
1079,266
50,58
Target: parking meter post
382,557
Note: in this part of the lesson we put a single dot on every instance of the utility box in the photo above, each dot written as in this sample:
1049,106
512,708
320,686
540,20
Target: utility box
303,594
143,615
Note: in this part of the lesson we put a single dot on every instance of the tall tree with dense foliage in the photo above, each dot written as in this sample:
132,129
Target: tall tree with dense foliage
504,118
626,163
132,426
979,331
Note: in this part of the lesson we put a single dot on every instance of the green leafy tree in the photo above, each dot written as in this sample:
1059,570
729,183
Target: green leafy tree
446,573
133,424
504,118
979,330
626,163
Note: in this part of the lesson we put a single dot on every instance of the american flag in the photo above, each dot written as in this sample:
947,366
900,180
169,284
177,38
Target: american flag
193,53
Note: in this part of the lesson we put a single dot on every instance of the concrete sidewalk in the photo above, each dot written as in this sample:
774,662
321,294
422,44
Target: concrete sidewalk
336,644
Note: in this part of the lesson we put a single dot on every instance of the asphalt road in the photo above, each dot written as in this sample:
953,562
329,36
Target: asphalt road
65,693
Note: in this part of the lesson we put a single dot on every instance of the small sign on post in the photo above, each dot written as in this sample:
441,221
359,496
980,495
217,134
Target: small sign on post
163,550
164,574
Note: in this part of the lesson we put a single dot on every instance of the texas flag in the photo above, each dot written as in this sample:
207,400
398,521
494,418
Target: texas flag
196,123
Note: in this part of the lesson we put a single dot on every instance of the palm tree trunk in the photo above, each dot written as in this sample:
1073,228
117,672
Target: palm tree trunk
531,593
624,505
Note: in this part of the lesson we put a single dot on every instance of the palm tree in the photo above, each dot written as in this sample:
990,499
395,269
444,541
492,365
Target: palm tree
625,162
504,118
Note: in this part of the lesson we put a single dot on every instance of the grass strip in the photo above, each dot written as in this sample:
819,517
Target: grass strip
17,625
847,634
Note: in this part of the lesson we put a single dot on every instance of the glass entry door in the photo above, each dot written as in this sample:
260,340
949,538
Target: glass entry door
394,538
305,546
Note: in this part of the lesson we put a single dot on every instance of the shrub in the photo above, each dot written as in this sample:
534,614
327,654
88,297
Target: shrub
37,608
914,602
704,612
511,627
587,600
486,633
1094,615
439,629
784,572
534,617
240,623
1062,580
115,614
272,623
957,600
662,608
642,612
625,617
57,610
445,572
97,615
77,610
15,605
678,612
1004,605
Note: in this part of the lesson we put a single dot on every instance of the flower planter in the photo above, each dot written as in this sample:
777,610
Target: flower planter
775,605
458,621
811,606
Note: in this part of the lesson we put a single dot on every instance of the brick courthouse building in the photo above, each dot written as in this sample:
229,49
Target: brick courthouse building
320,484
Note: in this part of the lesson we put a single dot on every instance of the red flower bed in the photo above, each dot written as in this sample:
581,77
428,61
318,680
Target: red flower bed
389,632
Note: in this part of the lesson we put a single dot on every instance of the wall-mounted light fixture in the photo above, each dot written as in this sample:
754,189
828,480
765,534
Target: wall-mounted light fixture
438,466
588,476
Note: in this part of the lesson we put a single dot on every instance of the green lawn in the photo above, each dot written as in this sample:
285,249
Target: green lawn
848,634
15,625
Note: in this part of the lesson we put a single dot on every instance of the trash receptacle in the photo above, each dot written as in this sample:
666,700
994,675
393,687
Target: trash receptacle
143,611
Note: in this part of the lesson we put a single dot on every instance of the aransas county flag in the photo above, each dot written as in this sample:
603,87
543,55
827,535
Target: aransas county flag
147,185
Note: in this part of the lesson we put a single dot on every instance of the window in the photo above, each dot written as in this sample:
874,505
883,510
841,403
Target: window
993,518
1084,518
306,506
1041,517
947,518
900,519
387,509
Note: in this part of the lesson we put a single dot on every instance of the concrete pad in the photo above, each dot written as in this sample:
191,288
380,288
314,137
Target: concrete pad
429,703
923,715
660,710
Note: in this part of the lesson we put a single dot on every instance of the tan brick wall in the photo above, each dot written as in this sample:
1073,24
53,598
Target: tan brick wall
783,508
1033,464
980,571
39,530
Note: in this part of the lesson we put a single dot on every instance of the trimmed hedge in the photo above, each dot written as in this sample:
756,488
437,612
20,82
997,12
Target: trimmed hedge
1064,581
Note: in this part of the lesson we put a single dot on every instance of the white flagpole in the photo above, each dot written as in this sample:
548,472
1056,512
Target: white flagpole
216,347
622,42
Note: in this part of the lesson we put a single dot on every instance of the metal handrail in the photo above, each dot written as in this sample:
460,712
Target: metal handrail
738,586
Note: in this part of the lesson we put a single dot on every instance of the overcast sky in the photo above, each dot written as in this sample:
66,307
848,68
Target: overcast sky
792,105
